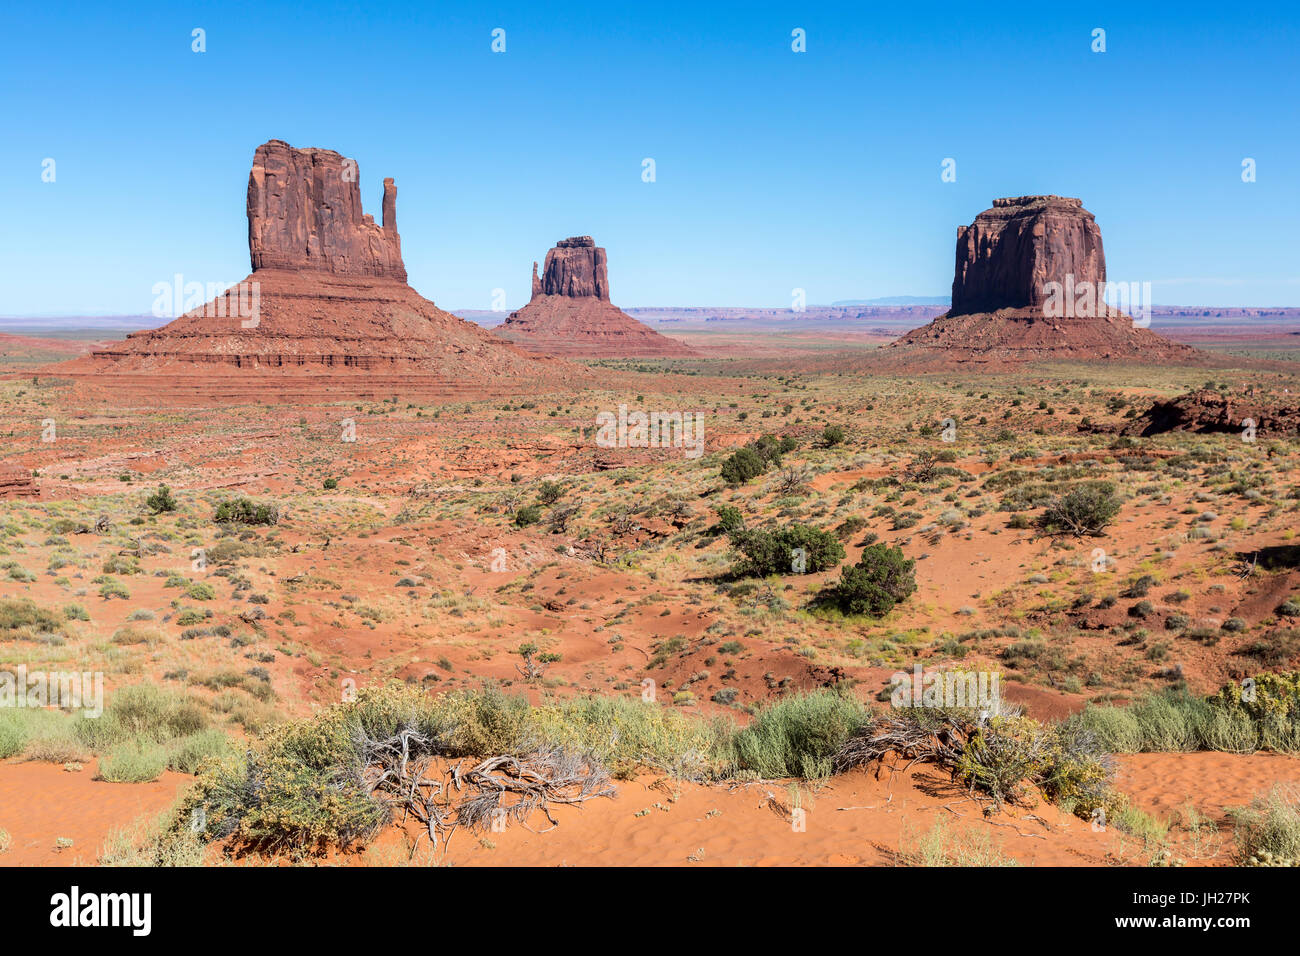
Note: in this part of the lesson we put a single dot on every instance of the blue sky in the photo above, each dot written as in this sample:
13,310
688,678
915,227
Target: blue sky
775,170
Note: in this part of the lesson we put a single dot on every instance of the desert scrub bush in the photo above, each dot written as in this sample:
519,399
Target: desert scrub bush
881,578
13,738
730,519
200,591
246,511
833,435
133,762
1004,756
775,552
528,515
141,713
300,786
23,617
741,466
1262,715
1084,510
39,734
796,737
114,589
228,551
135,635
119,564
626,734
1169,722
160,501
1116,728
191,753
1267,831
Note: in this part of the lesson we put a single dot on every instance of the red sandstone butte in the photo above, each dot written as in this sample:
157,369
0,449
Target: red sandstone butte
1006,260
334,316
570,313
304,212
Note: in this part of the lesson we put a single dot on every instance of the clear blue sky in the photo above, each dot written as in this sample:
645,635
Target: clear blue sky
775,170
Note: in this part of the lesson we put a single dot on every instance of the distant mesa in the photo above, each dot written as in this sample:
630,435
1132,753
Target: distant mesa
1030,284
570,314
326,311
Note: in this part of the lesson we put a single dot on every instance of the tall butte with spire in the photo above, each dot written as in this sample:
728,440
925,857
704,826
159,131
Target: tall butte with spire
326,313
1029,284
570,314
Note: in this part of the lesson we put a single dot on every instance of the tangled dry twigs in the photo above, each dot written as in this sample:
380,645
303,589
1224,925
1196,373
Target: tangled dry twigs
908,739
400,770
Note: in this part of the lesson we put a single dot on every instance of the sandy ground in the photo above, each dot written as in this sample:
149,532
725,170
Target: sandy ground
42,806
855,819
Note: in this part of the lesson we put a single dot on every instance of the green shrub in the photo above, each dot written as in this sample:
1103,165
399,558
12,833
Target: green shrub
1169,722
729,519
141,713
528,515
773,552
1084,510
246,511
743,465
13,738
135,635
190,753
114,589
75,612
120,564
160,501
133,762
200,591
1116,728
881,578
797,736
833,435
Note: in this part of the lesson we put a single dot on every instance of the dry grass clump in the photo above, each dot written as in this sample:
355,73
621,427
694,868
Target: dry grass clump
1268,830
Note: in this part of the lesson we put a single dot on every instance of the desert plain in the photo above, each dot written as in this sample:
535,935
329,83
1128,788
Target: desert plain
431,541
356,581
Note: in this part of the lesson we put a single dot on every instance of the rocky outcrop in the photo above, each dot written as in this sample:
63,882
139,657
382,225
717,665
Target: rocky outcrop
304,212
1206,411
576,268
1009,254
1003,313
17,482
326,312
570,314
